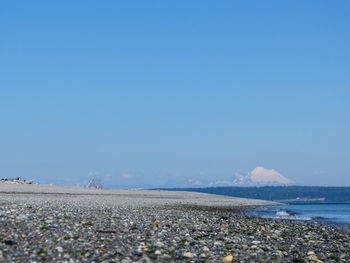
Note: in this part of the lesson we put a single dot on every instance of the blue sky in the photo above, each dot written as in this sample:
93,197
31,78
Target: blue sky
167,93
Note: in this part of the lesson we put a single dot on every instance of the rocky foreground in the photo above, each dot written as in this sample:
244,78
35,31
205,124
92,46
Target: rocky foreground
95,228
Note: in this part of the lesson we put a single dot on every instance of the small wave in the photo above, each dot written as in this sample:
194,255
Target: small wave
283,214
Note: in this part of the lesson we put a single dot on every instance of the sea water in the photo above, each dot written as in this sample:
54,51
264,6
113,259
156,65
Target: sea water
331,213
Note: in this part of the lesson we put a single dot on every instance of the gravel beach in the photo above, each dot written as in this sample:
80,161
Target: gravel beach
68,224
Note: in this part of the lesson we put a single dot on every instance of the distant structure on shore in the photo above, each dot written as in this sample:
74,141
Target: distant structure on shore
17,180
95,183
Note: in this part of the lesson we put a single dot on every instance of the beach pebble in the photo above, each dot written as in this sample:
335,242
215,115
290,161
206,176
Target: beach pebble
228,259
188,255
159,244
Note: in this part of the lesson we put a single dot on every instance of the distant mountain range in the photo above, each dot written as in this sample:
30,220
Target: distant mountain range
288,194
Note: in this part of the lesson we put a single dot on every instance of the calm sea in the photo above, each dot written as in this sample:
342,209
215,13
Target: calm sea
330,213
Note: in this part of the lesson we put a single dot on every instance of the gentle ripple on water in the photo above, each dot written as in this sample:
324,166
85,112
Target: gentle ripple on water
331,213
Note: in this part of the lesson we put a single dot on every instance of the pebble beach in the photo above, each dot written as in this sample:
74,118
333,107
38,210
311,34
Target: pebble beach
69,224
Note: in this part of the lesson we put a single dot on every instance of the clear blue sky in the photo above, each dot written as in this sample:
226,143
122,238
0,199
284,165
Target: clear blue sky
158,93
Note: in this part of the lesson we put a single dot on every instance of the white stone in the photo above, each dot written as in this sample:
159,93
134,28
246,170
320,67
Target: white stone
159,244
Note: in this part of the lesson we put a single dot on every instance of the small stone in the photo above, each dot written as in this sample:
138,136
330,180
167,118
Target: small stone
145,259
312,257
59,249
279,254
157,252
310,253
188,255
139,251
203,255
228,259
159,244
217,243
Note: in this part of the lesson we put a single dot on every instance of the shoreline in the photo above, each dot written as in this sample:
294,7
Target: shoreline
292,213
60,227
